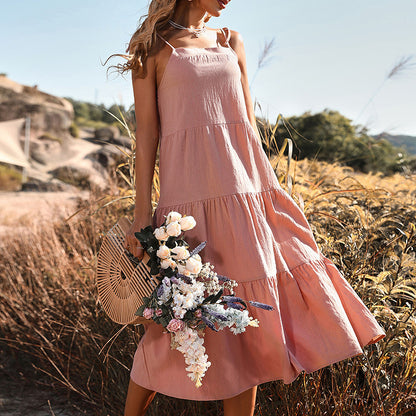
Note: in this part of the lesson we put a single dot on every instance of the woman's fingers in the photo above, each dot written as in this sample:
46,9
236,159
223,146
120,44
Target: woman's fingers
139,252
132,244
128,243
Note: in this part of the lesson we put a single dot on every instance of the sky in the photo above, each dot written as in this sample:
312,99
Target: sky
327,54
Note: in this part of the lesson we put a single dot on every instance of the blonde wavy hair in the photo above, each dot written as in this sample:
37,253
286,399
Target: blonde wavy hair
144,38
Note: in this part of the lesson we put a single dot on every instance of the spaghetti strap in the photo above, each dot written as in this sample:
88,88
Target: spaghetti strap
226,36
161,37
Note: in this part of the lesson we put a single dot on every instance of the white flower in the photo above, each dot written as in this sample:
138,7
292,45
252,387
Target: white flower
187,222
254,322
180,252
183,336
166,282
160,233
179,312
181,268
173,228
163,251
191,346
188,302
167,291
165,263
197,256
173,216
186,296
193,265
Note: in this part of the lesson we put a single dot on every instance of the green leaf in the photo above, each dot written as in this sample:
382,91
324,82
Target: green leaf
164,321
208,299
140,311
154,269
217,296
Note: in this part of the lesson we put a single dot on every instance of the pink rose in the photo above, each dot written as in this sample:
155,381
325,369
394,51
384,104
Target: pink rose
158,312
175,325
148,313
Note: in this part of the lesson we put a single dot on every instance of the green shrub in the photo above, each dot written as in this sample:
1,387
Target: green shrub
332,137
10,178
49,136
74,130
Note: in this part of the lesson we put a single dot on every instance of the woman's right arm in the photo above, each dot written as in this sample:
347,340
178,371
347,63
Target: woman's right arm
147,140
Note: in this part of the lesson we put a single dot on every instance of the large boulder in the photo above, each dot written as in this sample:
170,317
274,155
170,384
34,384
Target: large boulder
48,114
45,148
108,134
52,185
82,174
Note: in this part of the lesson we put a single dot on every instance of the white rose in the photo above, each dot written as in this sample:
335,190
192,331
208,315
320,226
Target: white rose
173,228
180,252
173,264
187,222
181,268
193,265
163,251
188,303
165,263
197,256
160,233
173,216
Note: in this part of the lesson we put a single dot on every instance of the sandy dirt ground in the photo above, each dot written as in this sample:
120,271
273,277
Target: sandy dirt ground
22,209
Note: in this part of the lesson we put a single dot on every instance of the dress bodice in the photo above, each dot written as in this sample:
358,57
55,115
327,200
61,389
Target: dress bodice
197,87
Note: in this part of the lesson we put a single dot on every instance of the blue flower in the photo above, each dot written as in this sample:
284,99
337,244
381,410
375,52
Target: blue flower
261,305
235,306
209,323
186,279
160,291
232,299
223,278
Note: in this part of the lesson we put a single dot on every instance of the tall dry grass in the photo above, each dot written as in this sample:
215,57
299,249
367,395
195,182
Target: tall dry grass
51,323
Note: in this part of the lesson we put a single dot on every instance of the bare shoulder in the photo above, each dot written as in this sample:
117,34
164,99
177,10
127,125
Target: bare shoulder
236,38
236,41
150,64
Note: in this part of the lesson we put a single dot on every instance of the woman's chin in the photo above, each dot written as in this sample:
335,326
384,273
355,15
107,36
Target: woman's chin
215,13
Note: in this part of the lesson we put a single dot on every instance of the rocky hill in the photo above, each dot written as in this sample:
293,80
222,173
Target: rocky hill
408,142
49,114
57,159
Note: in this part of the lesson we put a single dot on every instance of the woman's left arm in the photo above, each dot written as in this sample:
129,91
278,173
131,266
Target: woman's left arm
236,42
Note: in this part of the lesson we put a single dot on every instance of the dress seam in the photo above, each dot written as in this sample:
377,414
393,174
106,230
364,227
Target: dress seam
241,121
315,261
219,196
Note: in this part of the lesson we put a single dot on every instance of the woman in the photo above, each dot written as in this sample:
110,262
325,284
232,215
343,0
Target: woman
192,98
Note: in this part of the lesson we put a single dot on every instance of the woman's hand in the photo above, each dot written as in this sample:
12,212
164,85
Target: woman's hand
131,243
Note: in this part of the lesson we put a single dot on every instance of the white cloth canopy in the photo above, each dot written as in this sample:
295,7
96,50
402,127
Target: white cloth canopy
10,148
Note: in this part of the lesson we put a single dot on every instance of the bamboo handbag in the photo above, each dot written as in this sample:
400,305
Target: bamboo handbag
122,280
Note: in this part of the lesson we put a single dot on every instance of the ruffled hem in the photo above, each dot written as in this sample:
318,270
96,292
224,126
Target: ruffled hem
318,320
249,235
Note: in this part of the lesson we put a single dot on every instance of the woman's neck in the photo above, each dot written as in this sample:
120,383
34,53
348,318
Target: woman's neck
188,15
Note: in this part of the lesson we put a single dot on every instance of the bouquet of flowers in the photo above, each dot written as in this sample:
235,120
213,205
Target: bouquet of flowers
191,296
